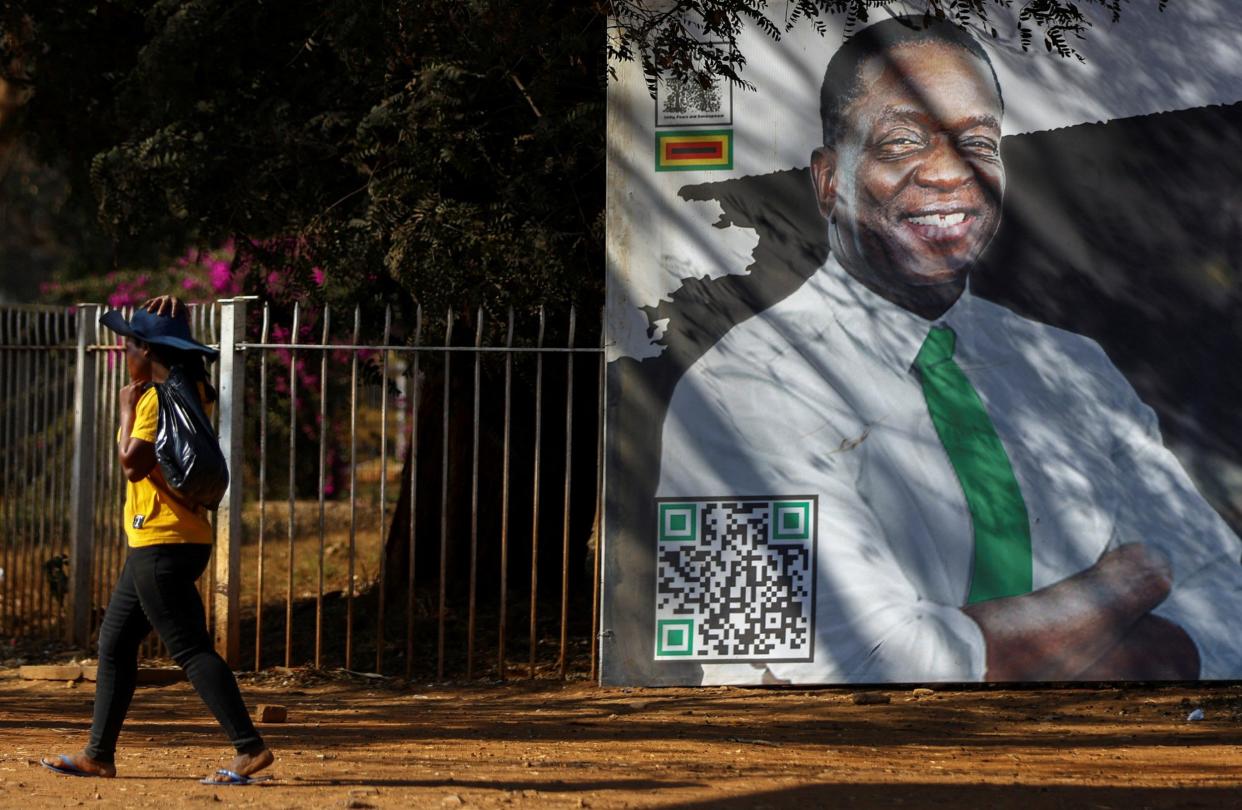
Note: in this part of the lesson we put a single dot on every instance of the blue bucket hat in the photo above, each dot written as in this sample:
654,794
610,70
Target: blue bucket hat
160,330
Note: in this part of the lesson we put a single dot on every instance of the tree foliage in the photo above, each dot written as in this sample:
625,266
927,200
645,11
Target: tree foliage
691,38
449,149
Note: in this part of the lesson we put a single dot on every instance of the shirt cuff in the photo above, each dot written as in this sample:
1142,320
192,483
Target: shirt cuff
965,650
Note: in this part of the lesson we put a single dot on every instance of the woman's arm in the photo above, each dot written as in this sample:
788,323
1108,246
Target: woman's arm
136,455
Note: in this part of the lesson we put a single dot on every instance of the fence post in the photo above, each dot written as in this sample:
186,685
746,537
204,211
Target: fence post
232,401
82,479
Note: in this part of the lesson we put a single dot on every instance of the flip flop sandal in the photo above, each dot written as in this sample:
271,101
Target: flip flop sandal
232,778
65,768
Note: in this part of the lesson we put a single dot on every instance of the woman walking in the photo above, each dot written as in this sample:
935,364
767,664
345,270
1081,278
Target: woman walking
170,543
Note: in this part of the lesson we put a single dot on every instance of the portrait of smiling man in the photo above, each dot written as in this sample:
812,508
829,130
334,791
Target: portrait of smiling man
993,500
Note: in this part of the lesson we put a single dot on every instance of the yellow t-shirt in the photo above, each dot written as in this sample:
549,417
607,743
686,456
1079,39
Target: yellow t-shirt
153,514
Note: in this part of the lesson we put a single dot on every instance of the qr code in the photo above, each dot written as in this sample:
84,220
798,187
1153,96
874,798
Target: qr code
735,579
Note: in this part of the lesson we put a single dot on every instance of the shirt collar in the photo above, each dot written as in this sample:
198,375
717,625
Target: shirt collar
880,327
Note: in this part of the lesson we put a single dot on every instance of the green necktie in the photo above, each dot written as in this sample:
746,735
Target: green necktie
1002,530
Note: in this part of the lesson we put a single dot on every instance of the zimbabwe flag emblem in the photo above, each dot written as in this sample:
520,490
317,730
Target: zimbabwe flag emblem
687,150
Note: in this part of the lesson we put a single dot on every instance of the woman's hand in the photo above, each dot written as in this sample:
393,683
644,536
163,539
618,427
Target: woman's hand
130,394
169,305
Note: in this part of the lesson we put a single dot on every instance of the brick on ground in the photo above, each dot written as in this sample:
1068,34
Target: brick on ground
272,713
50,672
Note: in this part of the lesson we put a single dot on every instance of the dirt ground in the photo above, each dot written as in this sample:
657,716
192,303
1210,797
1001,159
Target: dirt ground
354,742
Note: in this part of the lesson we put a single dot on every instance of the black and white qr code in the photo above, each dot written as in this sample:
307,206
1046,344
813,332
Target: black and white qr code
736,579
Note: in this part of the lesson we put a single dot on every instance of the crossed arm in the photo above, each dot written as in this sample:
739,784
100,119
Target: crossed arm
1095,625
137,456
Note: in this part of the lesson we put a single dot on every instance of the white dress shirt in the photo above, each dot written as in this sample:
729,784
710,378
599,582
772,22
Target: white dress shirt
815,395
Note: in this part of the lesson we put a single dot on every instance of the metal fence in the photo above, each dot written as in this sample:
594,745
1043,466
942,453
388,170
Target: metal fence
401,491
37,364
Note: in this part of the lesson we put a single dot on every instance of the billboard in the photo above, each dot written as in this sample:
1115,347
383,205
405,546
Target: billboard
922,360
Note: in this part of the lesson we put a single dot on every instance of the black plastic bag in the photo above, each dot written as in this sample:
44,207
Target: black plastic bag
186,447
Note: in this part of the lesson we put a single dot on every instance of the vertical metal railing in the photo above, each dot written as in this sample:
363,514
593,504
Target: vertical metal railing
381,590
472,599
292,493
502,623
597,528
37,366
360,489
221,588
261,557
535,501
351,582
569,457
412,561
445,442
83,465
7,440
339,574
323,456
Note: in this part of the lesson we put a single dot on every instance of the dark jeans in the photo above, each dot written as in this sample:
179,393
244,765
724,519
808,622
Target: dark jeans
156,588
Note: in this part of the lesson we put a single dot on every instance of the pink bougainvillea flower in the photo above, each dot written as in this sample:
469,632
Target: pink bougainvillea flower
221,277
317,275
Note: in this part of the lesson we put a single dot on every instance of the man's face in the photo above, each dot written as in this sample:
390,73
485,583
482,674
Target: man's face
914,184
